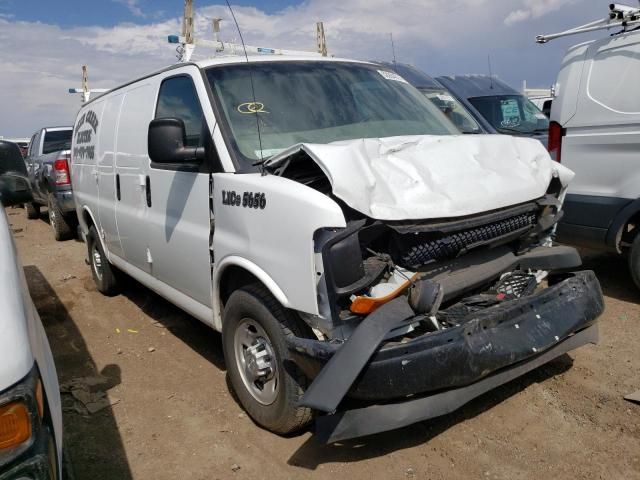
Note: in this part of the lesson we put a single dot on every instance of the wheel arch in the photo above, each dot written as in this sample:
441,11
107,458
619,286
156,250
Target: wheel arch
87,220
234,273
618,231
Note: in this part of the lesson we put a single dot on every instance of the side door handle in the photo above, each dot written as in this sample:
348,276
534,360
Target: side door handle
148,190
118,196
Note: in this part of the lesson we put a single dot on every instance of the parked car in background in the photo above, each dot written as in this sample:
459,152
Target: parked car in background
595,130
48,166
357,246
30,408
439,95
498,107
23,143
543,103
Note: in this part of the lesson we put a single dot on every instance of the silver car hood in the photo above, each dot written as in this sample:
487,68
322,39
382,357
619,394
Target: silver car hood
428,177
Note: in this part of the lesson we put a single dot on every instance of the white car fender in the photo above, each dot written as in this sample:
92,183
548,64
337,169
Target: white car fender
272,230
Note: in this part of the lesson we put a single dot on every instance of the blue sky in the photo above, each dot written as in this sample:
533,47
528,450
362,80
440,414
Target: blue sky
73,13
45,42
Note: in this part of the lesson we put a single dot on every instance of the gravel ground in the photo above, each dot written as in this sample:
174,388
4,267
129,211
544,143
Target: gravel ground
172,415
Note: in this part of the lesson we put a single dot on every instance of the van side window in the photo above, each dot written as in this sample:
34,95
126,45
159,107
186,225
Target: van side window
178,99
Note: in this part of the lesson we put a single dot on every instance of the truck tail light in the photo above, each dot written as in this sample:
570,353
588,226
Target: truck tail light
556,132
61,169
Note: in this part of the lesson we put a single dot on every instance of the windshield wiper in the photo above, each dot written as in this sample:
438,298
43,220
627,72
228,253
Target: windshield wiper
506,129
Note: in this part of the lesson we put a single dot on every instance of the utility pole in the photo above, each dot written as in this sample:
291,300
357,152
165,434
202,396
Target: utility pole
322,42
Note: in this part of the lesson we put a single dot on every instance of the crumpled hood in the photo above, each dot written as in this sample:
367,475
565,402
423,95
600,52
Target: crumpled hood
427,177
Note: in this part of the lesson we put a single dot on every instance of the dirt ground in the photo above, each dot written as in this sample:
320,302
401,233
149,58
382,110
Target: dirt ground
173,415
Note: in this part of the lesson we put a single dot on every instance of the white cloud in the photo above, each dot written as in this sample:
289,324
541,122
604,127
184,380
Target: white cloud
40,62
535,9
133,6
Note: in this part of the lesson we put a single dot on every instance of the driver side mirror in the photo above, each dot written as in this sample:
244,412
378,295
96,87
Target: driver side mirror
167,141
14,184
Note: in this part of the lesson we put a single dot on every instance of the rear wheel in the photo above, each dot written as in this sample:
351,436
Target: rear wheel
33,210
634,260
102,271
265,380
63,226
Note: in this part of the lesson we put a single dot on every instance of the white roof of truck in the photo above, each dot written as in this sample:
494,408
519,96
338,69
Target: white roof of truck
231,59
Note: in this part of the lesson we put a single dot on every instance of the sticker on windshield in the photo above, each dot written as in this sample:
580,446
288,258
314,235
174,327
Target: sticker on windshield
510,113
392,76
541,116
444,98
251,107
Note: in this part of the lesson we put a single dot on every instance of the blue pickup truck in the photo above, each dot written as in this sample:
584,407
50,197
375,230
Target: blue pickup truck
48,167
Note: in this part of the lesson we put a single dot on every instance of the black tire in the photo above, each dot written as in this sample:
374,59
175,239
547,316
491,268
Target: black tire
102,271
254,302
63,225
33,210
634,260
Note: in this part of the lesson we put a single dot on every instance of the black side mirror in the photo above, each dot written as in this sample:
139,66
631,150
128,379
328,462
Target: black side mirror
166,143
14,184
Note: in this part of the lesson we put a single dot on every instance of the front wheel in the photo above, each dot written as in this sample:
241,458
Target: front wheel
265,380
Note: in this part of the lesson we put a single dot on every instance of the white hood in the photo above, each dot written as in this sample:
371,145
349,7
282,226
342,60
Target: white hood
425,177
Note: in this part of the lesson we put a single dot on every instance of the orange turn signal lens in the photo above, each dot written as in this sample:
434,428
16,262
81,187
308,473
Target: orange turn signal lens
15,425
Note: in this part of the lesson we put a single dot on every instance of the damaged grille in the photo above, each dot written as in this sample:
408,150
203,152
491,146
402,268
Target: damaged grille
423,249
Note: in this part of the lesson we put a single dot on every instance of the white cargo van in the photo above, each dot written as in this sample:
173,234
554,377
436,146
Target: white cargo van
595,131
346,240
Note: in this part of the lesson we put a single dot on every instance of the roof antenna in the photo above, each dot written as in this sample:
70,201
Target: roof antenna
490,71
253,91
393,51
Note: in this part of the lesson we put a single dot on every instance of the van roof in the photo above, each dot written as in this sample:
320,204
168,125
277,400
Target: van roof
233,59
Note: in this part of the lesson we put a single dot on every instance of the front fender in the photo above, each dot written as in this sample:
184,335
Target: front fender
274,238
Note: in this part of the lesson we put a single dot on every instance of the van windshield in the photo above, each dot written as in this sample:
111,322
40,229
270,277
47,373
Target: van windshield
452,109
512,114
317,102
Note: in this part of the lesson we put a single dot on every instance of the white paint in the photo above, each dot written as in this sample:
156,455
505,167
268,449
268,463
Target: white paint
22,337
427,177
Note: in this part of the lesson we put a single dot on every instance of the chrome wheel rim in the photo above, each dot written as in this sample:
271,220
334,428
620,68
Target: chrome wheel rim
52,217
256,361
96,260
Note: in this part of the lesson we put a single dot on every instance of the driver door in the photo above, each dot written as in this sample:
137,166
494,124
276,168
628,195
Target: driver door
179,194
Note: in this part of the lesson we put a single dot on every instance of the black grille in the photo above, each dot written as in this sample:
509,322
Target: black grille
449,246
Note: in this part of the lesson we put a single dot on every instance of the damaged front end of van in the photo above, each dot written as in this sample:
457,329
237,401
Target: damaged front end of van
445,282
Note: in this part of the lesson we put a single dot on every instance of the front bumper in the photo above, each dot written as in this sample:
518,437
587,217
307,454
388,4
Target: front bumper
36,463
36,458
505,337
